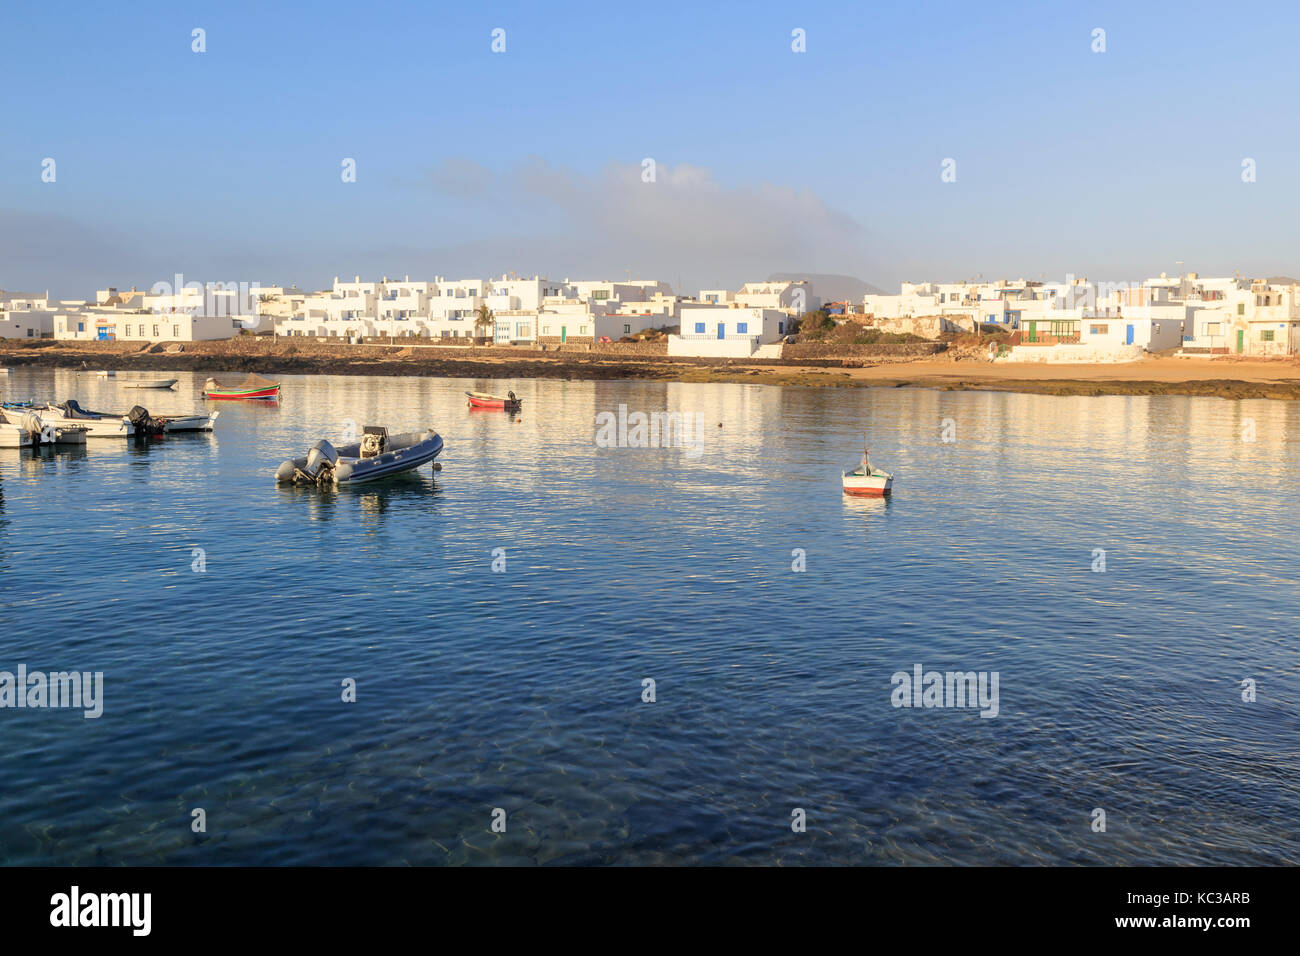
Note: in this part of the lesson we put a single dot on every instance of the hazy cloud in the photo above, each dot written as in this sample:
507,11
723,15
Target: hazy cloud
684,223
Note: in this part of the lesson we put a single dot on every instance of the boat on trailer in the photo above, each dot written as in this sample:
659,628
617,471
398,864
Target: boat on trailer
483,400
377,455
252,386
866,480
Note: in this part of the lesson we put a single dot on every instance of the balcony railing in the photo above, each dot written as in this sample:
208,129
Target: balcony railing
703,336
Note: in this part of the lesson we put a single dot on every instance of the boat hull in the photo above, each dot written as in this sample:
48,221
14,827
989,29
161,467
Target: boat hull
868,486
236,394
190,423
411,451
68,434
101,426
477,400
356,471
14,437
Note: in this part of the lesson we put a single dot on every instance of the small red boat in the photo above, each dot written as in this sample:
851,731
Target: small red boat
484,400
254,386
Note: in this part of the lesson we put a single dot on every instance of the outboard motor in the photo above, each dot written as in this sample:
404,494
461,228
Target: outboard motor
41,433
321,460
143,422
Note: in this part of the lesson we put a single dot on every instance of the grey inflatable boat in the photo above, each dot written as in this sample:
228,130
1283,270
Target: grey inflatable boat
377,455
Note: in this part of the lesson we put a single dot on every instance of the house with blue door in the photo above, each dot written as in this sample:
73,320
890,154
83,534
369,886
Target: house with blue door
726,331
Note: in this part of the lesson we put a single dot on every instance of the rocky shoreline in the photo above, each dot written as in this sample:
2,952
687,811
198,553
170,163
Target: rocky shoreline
947,372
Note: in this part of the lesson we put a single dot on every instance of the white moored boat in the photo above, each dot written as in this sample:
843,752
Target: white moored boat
25,429
137,421
15,436
97,425
867,480
155,383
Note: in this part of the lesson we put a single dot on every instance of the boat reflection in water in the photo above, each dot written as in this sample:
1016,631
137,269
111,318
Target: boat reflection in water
406,493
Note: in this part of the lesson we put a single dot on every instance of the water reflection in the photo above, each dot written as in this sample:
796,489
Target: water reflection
410,493
624,562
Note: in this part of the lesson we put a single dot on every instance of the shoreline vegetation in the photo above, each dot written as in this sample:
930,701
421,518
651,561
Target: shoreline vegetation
888,366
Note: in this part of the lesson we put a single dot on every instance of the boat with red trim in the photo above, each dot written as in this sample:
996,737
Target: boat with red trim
484,400
866,480
253,386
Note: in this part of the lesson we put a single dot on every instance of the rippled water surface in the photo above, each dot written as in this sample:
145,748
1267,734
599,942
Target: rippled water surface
1119,689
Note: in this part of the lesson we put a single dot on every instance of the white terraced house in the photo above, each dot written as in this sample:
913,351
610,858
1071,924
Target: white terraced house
195,313
726,330
530,310
25,315
120,325
792,298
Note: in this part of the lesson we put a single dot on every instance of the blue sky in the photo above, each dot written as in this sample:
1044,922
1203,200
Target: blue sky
225,165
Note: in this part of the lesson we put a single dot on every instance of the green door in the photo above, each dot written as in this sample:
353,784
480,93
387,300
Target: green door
1033,331
564,333
1241,341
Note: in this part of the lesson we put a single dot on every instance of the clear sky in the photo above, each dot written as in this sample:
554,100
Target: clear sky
226,165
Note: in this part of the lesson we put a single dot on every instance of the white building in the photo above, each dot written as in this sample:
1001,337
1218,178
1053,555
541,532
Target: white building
25,315
26,323
794,298
726,331
116,325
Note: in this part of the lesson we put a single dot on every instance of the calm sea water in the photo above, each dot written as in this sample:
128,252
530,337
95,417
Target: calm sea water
1119,690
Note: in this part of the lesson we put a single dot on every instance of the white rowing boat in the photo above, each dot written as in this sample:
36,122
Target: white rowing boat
160,383
867,480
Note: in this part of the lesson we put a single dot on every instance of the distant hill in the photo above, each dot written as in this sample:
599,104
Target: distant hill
831,288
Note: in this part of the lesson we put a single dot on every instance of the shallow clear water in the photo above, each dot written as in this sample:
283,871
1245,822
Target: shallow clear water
1119,690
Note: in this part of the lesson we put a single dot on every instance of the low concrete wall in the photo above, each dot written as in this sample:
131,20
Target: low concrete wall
711,348
1073,354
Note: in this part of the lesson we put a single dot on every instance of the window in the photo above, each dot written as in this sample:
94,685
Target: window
176,331
699,328
742,328
81,326
1266,335
155,331
582,330
1241,308
780,328
627,329
546,330
1098,329
600,294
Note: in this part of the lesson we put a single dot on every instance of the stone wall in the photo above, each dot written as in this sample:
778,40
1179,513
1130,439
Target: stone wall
926,326
832,350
